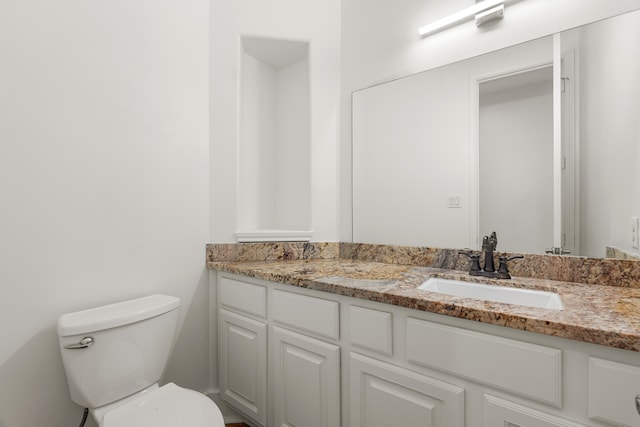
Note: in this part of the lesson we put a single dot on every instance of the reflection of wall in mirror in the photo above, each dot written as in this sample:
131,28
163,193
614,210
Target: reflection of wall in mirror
411,151
609,90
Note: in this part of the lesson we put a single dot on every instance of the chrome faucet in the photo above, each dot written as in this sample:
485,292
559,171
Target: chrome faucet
489,244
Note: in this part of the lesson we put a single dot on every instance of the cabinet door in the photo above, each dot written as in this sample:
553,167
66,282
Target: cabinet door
614,392
383,395
243,364
306,381
500,412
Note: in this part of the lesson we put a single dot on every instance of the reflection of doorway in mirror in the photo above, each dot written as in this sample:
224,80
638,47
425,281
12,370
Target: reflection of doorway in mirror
570,214
515,154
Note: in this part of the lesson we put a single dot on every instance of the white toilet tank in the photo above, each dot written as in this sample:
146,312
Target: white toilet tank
120,348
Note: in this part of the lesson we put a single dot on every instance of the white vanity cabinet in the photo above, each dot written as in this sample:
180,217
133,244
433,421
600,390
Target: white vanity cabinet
383,394
306,380
337,361
242,347
500,412
243,362
530,370
614,392
306,370
295,336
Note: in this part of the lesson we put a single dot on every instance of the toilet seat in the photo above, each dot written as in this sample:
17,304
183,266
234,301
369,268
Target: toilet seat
167,406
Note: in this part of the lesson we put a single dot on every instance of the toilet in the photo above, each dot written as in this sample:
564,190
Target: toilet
114,356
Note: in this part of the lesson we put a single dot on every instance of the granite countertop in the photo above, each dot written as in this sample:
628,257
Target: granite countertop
598,314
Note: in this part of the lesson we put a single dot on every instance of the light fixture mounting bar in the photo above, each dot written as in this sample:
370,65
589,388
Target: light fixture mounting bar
459,16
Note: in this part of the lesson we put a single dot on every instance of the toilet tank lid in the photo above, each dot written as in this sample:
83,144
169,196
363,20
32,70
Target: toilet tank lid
114,315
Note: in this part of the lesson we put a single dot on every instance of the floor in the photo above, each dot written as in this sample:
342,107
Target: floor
231,417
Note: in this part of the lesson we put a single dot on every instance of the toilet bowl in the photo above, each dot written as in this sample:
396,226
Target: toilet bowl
114,357
166,406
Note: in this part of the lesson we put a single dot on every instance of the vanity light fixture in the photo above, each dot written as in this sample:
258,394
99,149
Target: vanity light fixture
484,11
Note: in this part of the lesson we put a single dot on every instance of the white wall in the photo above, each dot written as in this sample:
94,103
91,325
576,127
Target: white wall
258,135
293,198
380,42
273,147
103,182
609,133
317,22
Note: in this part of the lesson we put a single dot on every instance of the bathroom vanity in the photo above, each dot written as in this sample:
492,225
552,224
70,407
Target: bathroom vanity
338,341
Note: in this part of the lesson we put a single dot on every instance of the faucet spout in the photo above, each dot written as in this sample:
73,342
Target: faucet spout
489,244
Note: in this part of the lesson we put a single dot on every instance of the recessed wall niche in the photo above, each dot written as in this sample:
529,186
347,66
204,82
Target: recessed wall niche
274,181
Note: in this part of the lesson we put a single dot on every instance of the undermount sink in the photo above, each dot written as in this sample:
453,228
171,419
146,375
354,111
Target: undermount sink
503,294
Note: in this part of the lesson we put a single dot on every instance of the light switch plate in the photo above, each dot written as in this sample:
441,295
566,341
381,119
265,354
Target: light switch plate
635,232
454,201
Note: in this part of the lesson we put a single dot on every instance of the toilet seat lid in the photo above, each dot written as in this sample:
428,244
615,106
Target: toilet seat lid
167,406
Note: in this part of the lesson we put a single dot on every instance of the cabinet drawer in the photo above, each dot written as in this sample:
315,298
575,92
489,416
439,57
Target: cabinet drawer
527,369
500,412
309,314
243,296
371,329
613,390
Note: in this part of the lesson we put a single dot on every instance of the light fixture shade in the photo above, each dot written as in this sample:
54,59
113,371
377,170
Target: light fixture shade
492,14
459,16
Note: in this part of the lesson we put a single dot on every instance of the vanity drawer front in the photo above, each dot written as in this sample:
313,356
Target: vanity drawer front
371,329
500,412
306,313
613,390
526,369
243,296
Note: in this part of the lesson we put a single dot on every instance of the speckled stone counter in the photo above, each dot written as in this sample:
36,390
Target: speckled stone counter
600,314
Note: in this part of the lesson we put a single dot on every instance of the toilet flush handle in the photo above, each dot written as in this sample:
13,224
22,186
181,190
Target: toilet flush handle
85,342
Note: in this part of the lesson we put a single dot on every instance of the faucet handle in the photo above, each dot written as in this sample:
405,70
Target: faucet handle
503,271
506,259
475,261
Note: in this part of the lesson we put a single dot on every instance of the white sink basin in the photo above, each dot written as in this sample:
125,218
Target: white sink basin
526,297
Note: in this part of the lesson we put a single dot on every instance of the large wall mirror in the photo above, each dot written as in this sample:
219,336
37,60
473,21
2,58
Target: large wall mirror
539,142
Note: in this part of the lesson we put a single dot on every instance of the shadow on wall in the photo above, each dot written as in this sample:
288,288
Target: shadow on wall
33,386
192,343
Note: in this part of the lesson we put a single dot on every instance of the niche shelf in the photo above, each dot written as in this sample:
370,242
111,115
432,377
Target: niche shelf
274,181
